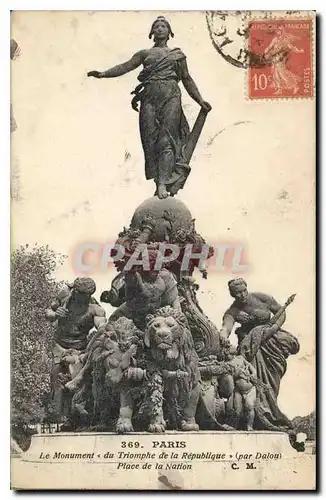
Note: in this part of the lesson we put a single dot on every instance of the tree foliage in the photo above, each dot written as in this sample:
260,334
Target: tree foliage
33,288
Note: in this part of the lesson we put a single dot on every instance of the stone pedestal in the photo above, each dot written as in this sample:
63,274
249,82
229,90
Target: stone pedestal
174,460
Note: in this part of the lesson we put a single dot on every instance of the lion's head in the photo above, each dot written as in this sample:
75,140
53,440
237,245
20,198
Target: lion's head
166,332
168,336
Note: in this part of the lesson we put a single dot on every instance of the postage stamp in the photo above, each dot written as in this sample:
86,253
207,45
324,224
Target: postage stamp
281,60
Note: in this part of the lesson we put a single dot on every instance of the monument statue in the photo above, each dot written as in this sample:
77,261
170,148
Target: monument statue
159,362
75,313
165,136
156,221
263,343
242,401
147,291
248,309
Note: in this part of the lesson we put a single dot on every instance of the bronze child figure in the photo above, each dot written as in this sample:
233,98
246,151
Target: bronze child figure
243,399
163,126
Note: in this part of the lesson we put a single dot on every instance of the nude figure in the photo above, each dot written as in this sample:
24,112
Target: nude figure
245,394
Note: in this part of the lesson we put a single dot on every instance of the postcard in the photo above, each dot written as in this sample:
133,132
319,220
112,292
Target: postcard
163,250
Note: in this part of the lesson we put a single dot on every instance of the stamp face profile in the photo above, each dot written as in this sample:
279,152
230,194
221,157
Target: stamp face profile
281,62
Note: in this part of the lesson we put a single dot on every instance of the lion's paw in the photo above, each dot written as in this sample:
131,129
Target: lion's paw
189,426
157,427
123,426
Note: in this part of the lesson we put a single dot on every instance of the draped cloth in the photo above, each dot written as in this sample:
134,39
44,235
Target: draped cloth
283,77
269,359
278,54
163,126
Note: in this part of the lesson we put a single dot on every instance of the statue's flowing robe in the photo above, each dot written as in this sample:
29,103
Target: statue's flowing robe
278,54
269,359
163,125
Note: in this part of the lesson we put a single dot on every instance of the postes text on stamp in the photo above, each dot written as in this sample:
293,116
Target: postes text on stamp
280,59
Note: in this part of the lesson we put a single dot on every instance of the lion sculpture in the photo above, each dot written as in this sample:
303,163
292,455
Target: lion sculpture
172,354
109,375
143,381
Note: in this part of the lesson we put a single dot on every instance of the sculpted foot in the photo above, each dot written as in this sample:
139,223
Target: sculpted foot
157,426
124,425
189,425
161,191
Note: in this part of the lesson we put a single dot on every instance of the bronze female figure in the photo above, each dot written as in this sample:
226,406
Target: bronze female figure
163,127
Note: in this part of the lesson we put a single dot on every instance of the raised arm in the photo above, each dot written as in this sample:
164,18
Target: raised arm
170,296
273,305
57,309
191,87
294,48
274,308
121,69
270,46
227,325
50,314
99,317
269,331
251,368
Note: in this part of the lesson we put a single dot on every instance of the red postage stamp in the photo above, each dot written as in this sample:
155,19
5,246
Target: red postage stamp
281,61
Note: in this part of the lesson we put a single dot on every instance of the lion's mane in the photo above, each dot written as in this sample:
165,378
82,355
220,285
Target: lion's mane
187,359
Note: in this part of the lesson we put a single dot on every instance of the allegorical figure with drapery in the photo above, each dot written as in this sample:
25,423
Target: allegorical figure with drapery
263,343
165,135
